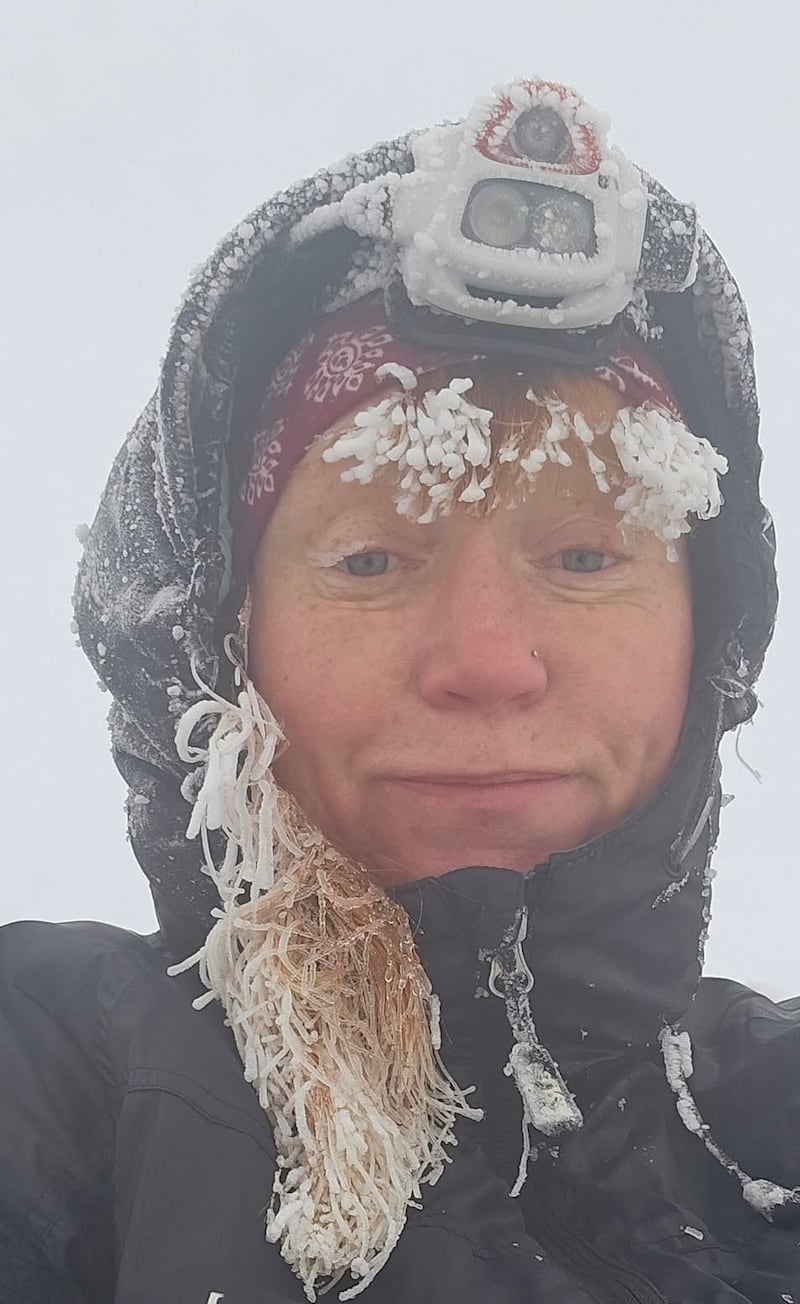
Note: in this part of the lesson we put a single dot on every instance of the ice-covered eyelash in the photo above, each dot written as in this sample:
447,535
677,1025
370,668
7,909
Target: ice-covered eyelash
326,559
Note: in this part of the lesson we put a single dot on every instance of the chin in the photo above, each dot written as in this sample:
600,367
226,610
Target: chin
390,871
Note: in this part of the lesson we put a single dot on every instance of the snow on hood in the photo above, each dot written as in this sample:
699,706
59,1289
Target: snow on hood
154,595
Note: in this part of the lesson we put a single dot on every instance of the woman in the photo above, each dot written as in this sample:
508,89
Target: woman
424,617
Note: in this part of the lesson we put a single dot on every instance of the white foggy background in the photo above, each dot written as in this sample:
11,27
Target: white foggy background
135,135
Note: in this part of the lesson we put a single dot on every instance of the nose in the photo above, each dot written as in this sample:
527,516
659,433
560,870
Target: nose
479,646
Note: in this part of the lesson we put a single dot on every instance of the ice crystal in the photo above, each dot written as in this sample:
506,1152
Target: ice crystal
296,922
441,446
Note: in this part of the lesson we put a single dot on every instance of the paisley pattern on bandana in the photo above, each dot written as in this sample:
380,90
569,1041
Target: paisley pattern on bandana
266,454
346,361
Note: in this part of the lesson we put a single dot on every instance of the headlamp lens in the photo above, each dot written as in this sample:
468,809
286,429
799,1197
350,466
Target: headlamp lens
498,215
524,215
541,134
563,224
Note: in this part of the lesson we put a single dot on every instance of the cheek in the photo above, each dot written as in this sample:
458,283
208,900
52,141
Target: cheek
319,679
292,669
651,668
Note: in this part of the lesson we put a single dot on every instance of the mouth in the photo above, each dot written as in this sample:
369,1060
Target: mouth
507,791
498,779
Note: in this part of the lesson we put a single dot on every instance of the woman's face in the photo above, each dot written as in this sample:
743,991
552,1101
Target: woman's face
481,690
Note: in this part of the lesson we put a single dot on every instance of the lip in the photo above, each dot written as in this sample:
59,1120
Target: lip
505,795
499,779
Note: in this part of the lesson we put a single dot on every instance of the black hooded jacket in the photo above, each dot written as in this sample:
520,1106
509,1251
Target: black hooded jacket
135,1161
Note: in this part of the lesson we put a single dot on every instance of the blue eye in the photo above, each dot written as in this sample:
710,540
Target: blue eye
583,560
366,564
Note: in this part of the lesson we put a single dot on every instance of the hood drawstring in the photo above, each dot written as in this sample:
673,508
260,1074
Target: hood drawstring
548,1104
764,1196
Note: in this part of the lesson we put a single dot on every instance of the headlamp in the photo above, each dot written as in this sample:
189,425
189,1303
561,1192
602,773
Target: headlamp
522,221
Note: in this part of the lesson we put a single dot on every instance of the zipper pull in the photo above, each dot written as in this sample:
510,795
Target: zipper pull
511,965
548,1103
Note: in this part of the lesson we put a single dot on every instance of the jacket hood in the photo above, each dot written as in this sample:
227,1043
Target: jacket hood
155,595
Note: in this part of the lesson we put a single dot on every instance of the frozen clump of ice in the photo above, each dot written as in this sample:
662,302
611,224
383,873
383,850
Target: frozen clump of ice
765,1196
441,445
673,474
439,442
548,1103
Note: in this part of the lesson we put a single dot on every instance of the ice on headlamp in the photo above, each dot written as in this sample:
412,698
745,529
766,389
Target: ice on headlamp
515,216
508,214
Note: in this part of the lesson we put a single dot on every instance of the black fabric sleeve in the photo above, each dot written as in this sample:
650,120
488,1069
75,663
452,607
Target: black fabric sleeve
56,1113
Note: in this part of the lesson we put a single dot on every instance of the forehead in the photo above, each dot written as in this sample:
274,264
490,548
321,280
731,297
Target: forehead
486,407
316,489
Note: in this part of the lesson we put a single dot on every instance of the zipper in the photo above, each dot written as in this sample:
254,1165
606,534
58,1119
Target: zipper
548,1106
606,1281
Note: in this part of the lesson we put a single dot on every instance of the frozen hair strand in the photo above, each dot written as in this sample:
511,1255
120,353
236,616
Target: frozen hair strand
331,1011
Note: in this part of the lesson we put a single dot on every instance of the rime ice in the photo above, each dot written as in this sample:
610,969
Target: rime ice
439,442
441,445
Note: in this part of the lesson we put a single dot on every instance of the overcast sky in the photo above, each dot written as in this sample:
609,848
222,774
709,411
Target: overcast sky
136,134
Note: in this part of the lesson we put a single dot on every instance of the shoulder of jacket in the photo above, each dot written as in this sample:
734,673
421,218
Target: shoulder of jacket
735,1030
71,968
722,1004
57,1103
745,1076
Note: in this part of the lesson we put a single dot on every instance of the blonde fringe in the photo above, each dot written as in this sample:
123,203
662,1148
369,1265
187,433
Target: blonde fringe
331,1010
442,448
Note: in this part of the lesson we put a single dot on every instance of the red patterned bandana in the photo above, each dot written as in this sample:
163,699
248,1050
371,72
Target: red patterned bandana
331,371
